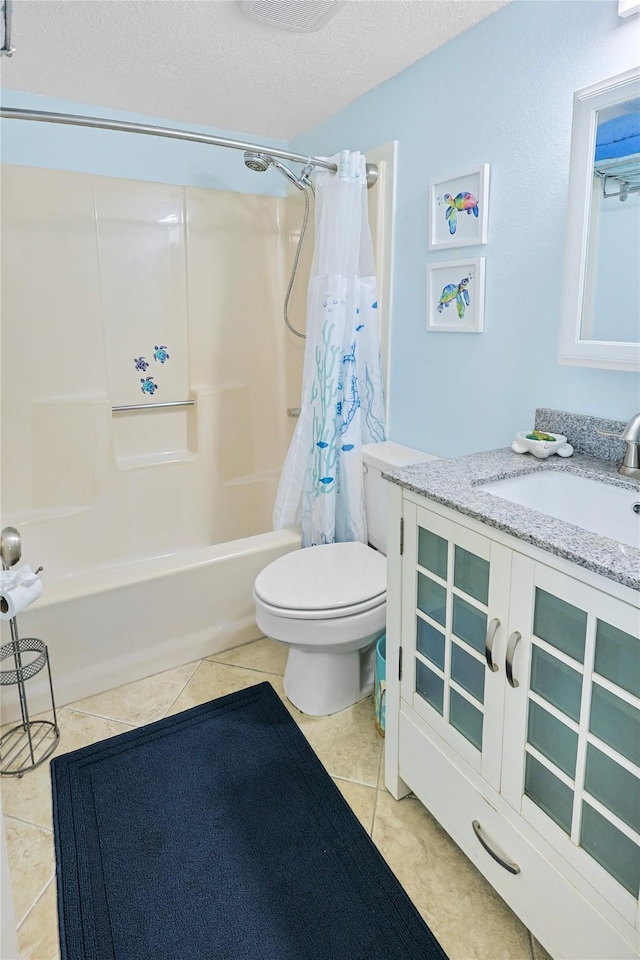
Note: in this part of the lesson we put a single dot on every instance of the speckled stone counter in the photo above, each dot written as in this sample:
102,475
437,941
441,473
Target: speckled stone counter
454,483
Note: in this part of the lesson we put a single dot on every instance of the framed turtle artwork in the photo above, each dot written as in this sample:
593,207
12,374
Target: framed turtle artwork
455,296
459,208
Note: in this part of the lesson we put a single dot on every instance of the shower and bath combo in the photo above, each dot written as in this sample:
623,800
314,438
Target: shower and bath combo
255,158
260,163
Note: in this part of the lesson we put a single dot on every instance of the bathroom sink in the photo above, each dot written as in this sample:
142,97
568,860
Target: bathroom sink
599,507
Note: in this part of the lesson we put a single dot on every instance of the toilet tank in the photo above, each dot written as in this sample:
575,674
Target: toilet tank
376,459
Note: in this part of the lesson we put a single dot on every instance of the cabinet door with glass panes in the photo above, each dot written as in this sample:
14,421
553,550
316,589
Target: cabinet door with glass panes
455,605
573,700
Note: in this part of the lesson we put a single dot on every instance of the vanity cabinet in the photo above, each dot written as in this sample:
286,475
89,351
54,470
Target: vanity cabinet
516,721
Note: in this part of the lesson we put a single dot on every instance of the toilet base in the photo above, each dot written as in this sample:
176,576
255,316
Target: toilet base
320,683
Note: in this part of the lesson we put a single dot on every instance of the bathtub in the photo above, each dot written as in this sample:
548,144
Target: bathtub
120,624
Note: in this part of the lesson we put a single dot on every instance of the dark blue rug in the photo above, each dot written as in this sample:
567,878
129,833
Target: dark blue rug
217,834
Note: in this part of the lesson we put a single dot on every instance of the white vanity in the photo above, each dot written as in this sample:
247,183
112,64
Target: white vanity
513,700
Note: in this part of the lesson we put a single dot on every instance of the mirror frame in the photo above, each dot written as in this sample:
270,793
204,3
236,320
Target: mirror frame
574,350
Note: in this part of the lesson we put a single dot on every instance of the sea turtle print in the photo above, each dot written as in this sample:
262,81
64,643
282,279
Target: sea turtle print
465,202
457,292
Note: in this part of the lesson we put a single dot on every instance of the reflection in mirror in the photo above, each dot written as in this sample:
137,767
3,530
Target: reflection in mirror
611,309
600,324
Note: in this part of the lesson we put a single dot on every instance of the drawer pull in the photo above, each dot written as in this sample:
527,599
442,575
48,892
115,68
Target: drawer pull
514,640
488,643
511,867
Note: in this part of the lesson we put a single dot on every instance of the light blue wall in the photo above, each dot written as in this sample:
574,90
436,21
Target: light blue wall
128,155
500,93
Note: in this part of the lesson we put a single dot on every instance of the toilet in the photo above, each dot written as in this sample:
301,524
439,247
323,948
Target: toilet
327,604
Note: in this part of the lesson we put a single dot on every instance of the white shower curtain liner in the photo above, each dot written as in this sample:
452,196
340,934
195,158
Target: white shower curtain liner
342,393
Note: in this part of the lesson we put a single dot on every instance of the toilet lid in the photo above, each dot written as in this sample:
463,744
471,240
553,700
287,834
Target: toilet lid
330,576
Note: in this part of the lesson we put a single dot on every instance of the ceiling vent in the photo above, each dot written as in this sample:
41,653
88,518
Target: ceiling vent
300,16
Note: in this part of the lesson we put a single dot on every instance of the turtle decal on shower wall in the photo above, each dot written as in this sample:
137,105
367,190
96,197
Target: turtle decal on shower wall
148,386
141,364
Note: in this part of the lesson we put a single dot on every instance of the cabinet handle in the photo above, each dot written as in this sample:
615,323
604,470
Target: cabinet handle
510,867
514,640
488,643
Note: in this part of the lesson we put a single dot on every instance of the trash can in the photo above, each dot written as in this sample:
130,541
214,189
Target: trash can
380,683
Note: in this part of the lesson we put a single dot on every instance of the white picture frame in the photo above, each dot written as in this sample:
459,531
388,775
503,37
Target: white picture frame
455,296
459,210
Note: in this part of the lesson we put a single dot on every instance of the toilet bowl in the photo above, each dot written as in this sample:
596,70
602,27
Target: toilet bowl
328,603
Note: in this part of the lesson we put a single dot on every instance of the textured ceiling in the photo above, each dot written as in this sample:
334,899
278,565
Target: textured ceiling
205,62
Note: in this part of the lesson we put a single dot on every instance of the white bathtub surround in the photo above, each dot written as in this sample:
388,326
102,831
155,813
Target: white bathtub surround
117,625
200,272
151,524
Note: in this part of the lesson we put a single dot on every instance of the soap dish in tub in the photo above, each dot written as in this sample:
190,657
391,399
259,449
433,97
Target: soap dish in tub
542,446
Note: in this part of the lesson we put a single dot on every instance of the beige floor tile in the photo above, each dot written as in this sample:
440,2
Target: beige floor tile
361,799
381,783
142,701
265,655
347,742
29,798
31,863
213,680
38,935
467,916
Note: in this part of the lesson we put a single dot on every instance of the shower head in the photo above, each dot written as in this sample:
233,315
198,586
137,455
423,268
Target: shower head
299,182
259,162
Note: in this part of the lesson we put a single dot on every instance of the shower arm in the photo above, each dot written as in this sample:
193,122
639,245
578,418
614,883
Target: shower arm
124,126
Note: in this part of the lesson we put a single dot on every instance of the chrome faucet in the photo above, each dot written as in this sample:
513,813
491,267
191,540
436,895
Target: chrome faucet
630,466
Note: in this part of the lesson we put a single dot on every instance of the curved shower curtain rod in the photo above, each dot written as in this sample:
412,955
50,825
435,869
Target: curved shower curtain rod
124,126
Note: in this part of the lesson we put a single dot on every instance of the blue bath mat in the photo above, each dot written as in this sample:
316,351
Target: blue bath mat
217,834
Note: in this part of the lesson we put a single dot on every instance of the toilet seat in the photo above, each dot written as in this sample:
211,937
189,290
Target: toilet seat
321,583
330,613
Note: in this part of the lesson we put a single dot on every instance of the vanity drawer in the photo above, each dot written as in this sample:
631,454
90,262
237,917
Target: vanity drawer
577,931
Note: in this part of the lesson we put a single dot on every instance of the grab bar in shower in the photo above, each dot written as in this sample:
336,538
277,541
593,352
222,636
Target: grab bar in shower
152,406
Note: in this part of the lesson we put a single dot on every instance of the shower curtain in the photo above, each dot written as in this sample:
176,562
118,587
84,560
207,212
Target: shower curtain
342,394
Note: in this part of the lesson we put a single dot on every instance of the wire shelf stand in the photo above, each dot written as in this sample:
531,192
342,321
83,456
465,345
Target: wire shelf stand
29,743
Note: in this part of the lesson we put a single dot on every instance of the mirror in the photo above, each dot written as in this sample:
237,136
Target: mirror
600,320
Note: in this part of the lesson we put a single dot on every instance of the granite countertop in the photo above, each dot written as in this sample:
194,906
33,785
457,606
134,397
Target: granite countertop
454,484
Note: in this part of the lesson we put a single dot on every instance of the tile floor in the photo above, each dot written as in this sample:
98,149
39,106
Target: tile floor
467,916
